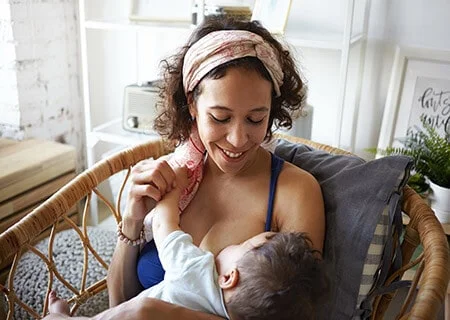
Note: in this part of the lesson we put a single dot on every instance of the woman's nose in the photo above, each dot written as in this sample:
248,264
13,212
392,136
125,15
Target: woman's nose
238,136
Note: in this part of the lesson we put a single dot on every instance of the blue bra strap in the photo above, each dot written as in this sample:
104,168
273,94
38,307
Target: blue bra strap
276,166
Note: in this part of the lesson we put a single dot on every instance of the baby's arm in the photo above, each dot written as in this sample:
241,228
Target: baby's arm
166,215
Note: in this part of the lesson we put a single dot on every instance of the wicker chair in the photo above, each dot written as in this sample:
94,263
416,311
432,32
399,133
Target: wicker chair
422,302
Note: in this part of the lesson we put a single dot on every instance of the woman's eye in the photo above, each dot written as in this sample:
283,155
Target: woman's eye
252,121
224,120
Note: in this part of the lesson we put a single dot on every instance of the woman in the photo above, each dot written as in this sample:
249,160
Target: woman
222,94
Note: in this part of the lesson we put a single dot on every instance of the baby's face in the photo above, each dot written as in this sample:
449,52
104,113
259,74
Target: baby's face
229,256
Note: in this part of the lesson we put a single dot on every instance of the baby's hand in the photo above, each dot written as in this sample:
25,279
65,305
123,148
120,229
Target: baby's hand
181,174
181,183
169,203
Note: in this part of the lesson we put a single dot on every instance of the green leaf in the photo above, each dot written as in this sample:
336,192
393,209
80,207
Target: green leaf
430,153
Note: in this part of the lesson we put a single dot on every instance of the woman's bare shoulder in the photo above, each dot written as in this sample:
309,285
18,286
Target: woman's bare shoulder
301,180
299,203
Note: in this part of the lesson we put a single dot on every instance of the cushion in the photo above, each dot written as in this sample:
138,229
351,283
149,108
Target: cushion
31,277
361,199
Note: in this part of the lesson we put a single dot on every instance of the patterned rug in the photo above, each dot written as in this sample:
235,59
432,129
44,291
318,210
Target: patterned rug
31,278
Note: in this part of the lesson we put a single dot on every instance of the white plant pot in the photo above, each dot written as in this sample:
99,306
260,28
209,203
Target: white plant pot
440,202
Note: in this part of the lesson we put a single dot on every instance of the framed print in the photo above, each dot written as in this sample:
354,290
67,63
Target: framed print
419,88
161,11
273,14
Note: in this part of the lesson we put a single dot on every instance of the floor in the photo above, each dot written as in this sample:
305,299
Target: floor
108,223
105,217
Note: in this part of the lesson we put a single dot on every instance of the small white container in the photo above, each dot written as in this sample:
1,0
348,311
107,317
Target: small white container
440,202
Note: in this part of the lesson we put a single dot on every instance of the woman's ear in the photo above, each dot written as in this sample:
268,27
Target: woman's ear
229,280
192,111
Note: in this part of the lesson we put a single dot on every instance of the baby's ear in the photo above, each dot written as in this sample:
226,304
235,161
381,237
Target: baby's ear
229,280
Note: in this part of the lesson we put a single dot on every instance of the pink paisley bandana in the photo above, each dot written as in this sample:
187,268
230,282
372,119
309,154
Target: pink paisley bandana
219,47
192,155
211,51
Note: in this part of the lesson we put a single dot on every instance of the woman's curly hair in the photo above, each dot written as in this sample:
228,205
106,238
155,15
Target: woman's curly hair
174,120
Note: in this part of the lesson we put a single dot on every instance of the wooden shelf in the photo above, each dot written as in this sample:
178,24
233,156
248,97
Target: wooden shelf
30,163
312,38
32,171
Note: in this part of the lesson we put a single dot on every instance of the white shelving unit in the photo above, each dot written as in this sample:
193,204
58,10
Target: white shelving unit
113,132
330,41
343,42
120,24
113,21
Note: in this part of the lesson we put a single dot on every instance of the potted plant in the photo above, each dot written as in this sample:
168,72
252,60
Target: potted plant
431,157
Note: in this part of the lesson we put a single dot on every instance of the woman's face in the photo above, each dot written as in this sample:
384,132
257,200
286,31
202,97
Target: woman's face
232,115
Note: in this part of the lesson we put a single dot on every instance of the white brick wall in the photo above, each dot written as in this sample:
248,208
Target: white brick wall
9,99
40,90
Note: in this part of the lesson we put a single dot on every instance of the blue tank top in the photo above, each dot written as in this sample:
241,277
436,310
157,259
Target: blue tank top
149,268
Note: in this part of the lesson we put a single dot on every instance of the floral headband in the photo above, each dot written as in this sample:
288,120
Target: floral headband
219,47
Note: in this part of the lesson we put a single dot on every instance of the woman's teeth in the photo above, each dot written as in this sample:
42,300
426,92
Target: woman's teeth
232,154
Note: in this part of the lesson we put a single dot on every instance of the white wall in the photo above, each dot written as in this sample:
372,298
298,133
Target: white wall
416,23
40,88
9,97
40,76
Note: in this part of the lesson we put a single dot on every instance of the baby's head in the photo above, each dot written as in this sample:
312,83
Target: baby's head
272,276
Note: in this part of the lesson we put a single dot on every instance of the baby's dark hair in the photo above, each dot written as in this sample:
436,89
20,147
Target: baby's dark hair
284,278
174,120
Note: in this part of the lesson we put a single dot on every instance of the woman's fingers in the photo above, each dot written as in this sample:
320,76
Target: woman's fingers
154,178
146,190
156,173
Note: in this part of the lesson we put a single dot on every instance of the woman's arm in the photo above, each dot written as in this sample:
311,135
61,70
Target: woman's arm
299,204
122,279
142,308
150,180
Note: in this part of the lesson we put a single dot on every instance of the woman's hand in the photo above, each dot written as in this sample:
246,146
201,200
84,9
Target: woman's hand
150,181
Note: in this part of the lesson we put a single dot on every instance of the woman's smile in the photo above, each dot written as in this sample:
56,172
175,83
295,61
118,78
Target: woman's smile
231,159
230,154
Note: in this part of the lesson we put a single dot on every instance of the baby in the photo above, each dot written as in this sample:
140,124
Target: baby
269,275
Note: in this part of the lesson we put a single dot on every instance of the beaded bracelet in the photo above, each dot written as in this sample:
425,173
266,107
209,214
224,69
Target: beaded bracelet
127,240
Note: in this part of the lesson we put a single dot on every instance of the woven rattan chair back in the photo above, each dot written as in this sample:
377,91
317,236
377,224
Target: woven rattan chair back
423,228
